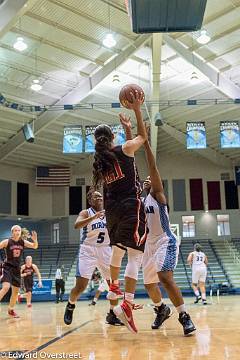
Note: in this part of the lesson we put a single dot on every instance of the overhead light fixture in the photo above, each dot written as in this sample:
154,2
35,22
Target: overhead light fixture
158,120
109,40
20,44
116,79
203,38
194,77
36,86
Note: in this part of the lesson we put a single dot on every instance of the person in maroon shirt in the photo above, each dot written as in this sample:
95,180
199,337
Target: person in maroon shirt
114,167
10,274
27,272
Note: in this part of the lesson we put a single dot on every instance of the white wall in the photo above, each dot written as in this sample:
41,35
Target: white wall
45,202
40,199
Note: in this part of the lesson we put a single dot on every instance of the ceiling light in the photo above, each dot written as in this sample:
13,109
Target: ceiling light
116,79
203,38
20,45
109,41
36,86
194,77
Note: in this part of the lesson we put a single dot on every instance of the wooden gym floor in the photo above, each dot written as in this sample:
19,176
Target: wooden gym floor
41,333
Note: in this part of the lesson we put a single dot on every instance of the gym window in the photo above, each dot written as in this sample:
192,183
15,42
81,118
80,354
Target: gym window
188,225
223,226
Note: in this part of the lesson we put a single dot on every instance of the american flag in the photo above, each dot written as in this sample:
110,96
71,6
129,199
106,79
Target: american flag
52,176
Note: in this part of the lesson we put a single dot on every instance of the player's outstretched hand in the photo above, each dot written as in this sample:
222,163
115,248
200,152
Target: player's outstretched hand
125,121
137,100
34,235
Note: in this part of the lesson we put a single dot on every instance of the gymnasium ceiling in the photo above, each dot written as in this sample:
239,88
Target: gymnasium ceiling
65,52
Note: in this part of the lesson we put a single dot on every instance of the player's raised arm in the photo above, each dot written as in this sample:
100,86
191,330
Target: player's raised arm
157,190
34,244
131,146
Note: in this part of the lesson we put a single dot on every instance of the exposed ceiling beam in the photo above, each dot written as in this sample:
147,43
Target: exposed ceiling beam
214,17
55,45
130,35
74,96
223,84
82,36
54,64
71,31
11,11
155,95
198,46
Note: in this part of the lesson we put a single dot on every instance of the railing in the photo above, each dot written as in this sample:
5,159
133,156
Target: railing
50,272
219,261
232,251
184,265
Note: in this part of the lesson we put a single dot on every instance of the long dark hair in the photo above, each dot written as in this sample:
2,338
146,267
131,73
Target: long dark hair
104,157
197,247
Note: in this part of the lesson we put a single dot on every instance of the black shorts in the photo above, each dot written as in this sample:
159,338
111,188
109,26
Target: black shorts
126,222
28,283
11,275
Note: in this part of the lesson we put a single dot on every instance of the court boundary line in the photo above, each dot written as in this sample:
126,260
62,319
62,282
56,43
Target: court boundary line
52,341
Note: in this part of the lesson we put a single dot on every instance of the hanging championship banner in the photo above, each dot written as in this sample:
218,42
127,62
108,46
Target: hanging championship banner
229,134
196,135
119,134
89,139
72,139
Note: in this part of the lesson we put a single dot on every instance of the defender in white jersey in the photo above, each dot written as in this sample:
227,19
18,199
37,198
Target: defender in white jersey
161,251
198,261
94,252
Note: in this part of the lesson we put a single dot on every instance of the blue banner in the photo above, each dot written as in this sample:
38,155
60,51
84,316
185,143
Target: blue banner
89,139
237,175
229,134
119,134
72,139
196,135
44,290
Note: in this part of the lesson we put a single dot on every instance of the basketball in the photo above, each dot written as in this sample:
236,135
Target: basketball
125,97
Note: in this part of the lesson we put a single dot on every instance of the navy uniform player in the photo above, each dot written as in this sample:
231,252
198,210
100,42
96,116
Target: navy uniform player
95,251
10,272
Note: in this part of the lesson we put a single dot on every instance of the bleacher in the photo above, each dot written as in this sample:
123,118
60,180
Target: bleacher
229,254
216,271
49,257
236,243
217,274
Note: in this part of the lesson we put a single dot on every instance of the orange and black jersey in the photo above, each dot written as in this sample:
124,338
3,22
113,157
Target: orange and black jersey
124,178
